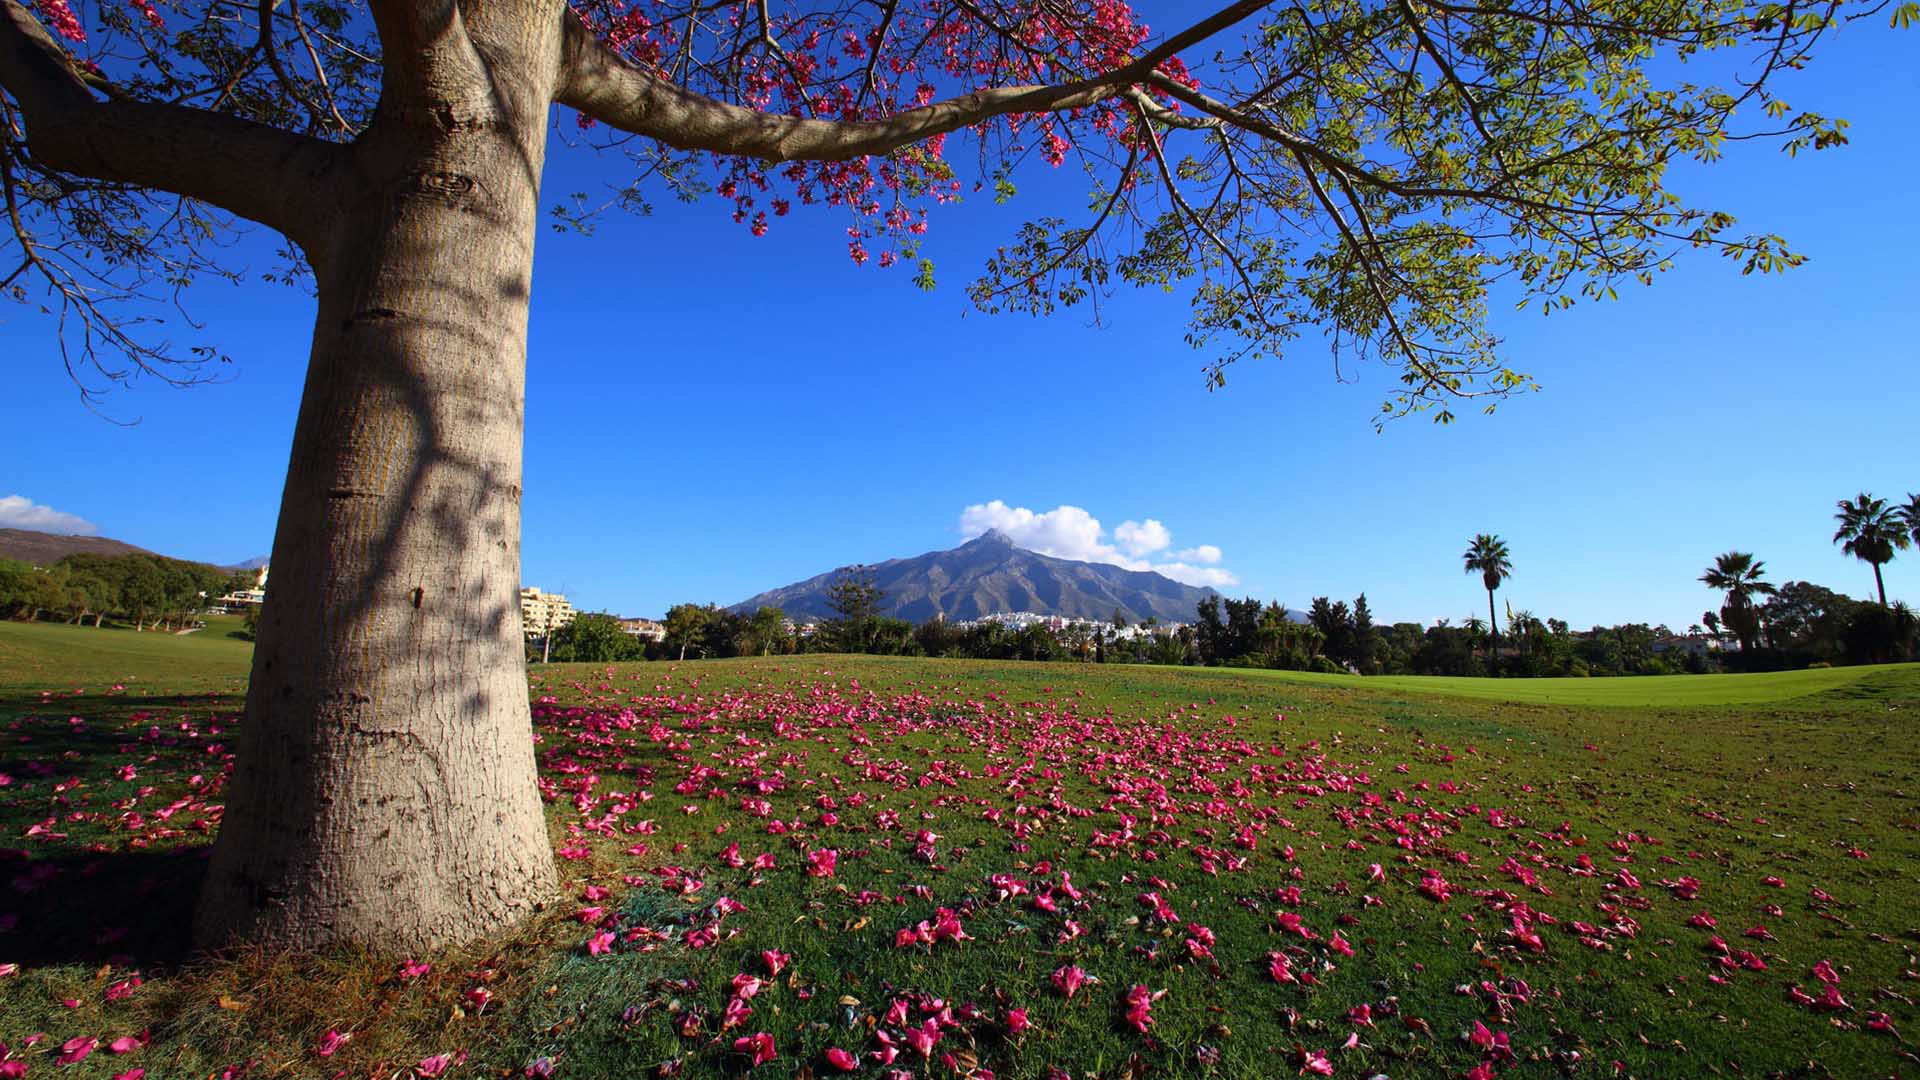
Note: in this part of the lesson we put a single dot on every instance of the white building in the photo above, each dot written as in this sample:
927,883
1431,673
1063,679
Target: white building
644,628
541,613
246,598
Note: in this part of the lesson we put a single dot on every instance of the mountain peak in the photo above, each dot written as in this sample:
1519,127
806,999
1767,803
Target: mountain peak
992,537
990,574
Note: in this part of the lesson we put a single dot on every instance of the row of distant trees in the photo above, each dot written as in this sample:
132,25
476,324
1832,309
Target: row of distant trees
147,592
1792,625
1799,622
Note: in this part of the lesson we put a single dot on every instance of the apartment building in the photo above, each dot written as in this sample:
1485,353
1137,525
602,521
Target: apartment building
541,613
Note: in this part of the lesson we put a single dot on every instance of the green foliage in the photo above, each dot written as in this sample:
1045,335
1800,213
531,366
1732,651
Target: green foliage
856,600
687,626
765,633
150,591
595,638
1402,158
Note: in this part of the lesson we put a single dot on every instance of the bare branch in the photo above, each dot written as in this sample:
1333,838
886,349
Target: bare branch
258,172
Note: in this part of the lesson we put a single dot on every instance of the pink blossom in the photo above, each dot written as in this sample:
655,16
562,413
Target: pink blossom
1068,979
758,1047
1139,1007
921,1039
1279,968
331,1042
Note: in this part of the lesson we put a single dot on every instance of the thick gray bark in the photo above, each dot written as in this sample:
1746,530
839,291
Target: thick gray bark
384,792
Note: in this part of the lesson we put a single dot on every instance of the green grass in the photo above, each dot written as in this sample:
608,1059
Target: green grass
1664,691
1791,786
52,656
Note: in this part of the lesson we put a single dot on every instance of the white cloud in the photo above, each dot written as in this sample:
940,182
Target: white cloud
20,512
1187,574
1204,553
1065,532
1140,539
1069,532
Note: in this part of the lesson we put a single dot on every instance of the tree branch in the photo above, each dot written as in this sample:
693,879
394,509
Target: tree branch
424,47
258,172
599,83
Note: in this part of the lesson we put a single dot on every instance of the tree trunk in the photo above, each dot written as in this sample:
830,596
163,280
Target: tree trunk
384,791
1493,637
1880,585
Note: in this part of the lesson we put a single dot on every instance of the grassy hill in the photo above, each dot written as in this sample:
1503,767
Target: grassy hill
1614,889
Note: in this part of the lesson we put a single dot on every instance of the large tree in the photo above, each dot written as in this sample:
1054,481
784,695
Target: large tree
1370,167
1870,531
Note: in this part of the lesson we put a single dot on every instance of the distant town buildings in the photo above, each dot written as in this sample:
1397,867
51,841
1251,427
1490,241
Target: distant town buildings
541,613
1020,620
1697,645
647,629
240,599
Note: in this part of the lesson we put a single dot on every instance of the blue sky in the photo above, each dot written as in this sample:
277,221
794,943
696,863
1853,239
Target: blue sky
711,414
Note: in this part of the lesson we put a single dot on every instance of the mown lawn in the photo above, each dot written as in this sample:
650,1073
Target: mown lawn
1352,876
53,656
1663,691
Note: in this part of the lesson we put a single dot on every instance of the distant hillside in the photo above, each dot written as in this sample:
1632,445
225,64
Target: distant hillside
989,575
42,549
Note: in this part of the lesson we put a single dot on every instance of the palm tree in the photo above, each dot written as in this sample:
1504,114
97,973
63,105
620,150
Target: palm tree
1524,628
1871,531
1910,516
1489,558
1740,576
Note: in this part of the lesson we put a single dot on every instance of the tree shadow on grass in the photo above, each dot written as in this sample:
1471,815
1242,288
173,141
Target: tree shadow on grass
130,909
81,892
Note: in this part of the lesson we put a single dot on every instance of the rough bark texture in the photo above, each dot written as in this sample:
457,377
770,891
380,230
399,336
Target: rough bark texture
385,790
